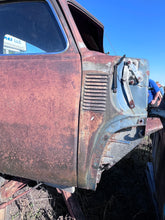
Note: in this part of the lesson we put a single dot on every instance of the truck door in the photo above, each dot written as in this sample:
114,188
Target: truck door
39,93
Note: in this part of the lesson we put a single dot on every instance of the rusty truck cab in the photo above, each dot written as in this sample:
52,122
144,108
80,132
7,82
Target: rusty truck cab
68,110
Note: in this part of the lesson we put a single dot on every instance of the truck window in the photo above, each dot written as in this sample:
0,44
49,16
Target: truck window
90,31
29,27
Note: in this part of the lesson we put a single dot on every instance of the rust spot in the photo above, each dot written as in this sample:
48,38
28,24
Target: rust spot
39,116
148,73
132,104
153,125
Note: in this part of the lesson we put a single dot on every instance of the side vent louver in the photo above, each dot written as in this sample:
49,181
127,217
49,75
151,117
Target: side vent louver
95,92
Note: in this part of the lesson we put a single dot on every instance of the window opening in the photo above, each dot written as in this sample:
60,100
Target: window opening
29,27
90,31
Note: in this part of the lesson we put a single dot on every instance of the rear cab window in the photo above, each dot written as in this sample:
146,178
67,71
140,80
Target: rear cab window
30,27
90,29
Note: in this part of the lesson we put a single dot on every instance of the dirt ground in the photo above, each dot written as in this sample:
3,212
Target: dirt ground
122,194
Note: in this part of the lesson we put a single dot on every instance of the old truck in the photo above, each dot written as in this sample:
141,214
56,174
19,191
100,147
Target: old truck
68,111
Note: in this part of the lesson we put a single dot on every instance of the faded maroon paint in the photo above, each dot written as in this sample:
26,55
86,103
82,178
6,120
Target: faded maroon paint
92,121
153,125
39,116
88,130
10,188
71,22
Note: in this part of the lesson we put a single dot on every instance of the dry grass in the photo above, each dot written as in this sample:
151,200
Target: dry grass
122,194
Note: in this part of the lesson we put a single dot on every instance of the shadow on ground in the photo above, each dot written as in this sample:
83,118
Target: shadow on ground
122,193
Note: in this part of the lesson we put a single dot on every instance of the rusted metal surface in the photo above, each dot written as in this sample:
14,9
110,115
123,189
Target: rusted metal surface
153,125
104,112
132,104
39,116
7,190
10,188
57,109
116,147
5,204
73,205
2,211
95,89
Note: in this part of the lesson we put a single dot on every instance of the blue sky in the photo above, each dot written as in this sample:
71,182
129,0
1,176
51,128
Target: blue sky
135,28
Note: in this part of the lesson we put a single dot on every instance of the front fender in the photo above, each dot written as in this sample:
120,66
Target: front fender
112,145
105,112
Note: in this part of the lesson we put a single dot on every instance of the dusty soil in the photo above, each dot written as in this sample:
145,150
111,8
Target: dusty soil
122,194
